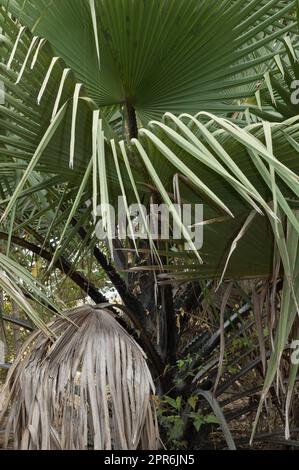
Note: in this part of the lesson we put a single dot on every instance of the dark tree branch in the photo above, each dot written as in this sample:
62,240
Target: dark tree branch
63,265
170,316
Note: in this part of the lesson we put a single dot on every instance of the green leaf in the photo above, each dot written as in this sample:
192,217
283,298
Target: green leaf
192,401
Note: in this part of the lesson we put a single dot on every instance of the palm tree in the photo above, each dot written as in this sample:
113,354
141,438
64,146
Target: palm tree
172,101
78,392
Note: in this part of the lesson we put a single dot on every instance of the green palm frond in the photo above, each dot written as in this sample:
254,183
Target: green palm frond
277,96
213,43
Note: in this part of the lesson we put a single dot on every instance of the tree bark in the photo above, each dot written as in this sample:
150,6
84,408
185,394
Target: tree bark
131,122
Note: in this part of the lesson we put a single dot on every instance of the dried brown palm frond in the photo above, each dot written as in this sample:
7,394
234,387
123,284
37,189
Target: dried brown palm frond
91,388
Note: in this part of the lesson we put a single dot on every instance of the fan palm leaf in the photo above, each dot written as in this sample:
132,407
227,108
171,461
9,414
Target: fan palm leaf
135,41
91,388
